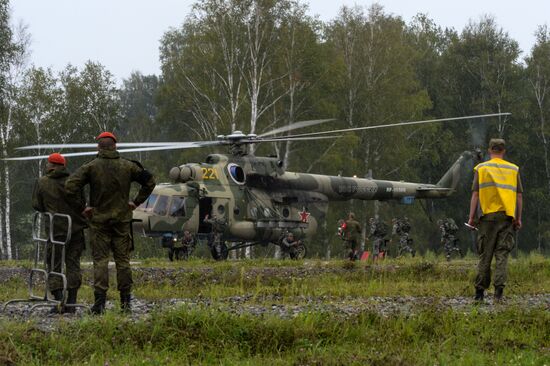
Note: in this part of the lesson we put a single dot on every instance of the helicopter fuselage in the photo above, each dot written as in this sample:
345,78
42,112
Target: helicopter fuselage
258,201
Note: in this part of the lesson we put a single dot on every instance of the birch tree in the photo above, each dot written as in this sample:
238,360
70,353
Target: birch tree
202,66
538,77
300,60
6,55
12,69
538,71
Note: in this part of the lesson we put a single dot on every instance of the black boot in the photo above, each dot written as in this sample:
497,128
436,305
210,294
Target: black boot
71,300
125,298
99,304
479,294
498,293
58,296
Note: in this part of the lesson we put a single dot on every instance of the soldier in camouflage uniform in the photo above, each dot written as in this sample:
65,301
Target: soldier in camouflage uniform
183,248
377,233
448,229
215,237
402,227
110,211
352,233
497,193
288,246
49,196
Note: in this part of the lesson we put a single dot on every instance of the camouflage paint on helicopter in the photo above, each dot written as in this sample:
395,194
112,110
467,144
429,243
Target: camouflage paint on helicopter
259,201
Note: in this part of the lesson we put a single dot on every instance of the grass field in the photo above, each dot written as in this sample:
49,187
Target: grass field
312,312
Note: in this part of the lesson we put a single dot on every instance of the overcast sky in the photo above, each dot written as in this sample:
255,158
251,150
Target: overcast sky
124,35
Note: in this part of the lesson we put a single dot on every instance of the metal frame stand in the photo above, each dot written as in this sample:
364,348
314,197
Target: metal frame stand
41,265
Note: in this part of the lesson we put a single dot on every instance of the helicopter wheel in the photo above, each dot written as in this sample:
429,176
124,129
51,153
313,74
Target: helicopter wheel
298,252
219,251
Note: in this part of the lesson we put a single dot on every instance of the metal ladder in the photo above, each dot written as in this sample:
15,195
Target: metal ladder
41,258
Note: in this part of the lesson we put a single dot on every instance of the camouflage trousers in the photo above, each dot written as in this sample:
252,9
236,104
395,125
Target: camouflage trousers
405,245
378,245
450,245
73,251
112,237
495,238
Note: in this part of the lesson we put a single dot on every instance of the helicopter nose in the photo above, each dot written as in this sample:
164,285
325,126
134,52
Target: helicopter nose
139,222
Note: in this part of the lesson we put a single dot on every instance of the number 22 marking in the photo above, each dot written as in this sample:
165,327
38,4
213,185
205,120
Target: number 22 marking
209,173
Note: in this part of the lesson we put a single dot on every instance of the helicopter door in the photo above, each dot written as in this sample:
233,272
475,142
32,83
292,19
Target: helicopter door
205,208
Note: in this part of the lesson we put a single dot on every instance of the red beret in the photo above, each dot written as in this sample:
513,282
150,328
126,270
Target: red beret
56,158
105,135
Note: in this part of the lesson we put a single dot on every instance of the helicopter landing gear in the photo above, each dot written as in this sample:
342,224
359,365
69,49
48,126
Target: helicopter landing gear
298,251
219,251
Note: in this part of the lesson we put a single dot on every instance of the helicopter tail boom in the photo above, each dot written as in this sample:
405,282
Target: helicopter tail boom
338,188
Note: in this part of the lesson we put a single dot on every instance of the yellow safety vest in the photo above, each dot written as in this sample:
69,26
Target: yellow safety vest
498,183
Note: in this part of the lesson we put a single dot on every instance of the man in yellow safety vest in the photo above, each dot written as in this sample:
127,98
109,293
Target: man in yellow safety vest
497,191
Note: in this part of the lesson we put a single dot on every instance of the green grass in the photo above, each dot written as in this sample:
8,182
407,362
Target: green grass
206,336
203,334
288,279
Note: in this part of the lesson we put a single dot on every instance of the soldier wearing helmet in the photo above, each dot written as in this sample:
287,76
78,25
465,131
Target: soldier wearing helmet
402,227
448,230
49,195
377,233
110,214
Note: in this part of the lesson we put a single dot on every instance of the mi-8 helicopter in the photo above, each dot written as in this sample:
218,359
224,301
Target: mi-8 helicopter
249,200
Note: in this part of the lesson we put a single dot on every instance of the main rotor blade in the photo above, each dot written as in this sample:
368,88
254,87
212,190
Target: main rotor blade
91,146
400,124
188,145
275,139
296,125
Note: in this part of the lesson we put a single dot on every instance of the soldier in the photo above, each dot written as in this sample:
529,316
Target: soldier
215,236
402,227
448,229
49,196
288,246
377,233
188,245
110,212
498,190
352,233
341,227
169,240
180,249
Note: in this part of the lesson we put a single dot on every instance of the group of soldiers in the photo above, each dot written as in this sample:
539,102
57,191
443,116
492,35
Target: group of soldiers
350,231
179,248
107,214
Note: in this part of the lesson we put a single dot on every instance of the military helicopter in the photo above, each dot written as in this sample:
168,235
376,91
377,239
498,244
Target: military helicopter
247,200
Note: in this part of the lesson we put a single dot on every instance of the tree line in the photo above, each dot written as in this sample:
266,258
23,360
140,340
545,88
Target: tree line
255,65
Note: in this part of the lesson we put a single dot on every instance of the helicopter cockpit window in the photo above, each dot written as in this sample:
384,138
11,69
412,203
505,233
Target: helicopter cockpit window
177,206
162,205
149,203
236,173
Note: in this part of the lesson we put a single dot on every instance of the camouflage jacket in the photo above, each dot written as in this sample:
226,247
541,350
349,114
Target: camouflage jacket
49,195
352,230
110,178
218,224
185,242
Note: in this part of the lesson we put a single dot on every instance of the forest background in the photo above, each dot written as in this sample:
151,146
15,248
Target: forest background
254,65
